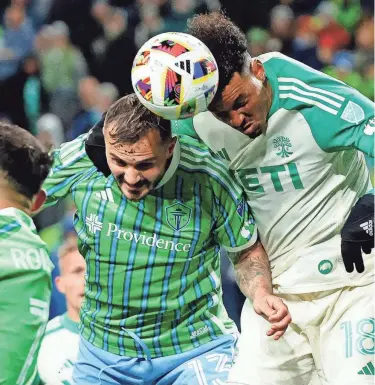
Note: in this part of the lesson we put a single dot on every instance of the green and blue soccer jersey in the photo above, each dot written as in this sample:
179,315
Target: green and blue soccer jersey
304,175
25,290
153,265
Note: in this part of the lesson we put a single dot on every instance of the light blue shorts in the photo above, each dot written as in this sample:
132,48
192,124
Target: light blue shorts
207,365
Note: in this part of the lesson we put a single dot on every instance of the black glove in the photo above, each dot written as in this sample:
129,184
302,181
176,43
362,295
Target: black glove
358,234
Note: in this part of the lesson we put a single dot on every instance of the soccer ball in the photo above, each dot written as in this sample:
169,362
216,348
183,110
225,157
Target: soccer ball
175,75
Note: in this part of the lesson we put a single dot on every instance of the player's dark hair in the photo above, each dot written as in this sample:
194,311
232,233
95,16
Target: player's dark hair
24,161
131,121
225,41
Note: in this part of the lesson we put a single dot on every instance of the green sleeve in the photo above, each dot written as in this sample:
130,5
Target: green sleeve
235,226
339,116
21,331
25,289
70,163
352,125
184,127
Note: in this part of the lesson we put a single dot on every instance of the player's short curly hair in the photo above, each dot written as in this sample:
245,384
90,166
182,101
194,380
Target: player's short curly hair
226,42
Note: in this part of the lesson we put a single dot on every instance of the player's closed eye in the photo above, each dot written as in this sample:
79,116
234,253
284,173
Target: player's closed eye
119,162
144,166
222,115
239,103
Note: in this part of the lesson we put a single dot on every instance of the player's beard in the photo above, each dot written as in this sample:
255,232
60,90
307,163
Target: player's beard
144,186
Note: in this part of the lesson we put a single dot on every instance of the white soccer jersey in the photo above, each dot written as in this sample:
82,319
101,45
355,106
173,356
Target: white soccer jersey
59,351
304,175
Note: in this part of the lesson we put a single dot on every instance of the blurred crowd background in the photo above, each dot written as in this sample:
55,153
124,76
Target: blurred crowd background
64,62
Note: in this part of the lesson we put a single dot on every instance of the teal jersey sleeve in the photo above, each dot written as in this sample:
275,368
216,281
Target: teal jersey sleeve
352,127
25,289
339,116
184,127
69,164
235,226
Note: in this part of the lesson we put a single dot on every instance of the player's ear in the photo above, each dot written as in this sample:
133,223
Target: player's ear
171,146
38,201
59,284
257,70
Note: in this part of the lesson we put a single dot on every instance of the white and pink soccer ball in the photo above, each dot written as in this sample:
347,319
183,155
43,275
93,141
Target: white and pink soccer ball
175,75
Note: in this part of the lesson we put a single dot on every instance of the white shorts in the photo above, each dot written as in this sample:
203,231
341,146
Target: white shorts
332,334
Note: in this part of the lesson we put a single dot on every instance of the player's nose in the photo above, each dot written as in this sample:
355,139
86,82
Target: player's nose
132,176
236,119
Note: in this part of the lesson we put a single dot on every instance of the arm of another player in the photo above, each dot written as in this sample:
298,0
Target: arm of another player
253,276
236,231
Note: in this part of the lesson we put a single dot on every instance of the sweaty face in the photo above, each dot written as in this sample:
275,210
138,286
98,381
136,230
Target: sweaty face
138,167
245,102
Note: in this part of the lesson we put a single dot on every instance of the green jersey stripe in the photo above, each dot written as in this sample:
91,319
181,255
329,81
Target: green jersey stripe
100,214
132,258
192,306
309,101
10,227
206,156
227,226
197,169
61,186
69,148
174,337
114,247
68,163
211,160
84,238
310,88
191,161
196,157
149,272
311,94
165,283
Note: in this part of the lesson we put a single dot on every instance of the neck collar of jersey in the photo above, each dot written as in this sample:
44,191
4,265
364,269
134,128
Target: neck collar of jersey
272,78
172,166
69,324
95,148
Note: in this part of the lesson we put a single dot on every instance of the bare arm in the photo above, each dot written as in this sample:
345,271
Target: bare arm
253,275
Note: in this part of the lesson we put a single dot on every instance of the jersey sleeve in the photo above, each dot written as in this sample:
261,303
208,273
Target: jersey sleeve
235,226
184,127
339,116
25,289
70,161
350,125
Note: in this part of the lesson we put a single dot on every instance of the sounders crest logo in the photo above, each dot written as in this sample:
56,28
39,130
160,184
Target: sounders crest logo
178,215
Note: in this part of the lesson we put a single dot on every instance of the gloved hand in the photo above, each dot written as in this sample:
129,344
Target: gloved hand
357,235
